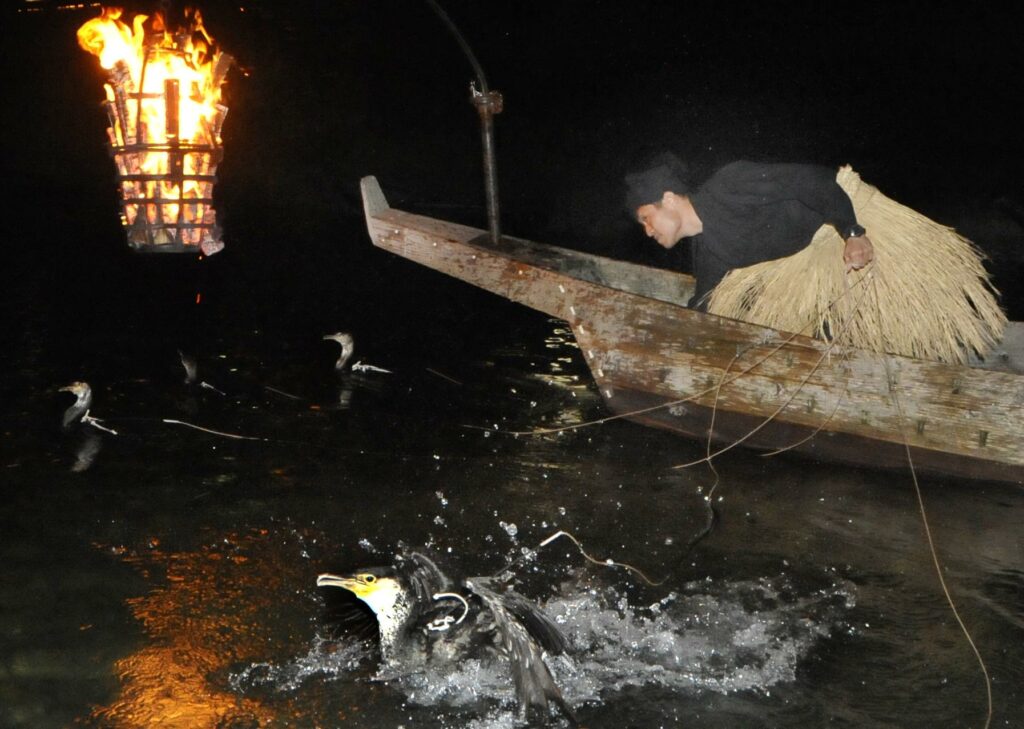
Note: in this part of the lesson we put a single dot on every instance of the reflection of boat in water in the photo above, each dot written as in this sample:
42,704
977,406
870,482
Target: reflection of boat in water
661,364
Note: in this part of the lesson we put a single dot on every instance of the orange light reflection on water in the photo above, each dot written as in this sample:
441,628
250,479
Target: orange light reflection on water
208,615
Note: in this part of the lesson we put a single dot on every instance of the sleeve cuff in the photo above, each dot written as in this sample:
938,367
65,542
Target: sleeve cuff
853,231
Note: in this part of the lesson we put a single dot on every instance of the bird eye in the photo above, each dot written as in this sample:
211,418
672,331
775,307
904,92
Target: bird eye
369,578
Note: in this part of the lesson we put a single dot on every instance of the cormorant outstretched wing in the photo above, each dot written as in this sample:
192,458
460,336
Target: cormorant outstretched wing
536,622
524,632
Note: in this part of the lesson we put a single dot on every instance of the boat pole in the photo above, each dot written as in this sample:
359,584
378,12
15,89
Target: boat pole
487,103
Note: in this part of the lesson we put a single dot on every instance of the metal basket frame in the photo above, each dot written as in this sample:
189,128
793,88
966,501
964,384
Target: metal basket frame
146,209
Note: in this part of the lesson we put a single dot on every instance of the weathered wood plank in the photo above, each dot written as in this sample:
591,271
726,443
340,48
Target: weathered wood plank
941,415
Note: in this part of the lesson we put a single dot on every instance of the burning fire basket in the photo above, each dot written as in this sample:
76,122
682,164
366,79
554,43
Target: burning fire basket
163,102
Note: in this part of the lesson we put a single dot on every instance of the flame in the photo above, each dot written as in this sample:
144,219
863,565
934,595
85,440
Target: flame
111,40
163,100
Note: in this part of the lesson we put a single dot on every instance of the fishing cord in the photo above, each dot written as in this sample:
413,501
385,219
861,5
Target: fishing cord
282,392
214,432
603,563
893,390
790,340
821,427
97,423
839,401
442,375
710,456
712,514
873,288
826,353
445,622
608,563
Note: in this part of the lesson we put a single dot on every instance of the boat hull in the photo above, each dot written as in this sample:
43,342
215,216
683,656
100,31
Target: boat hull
778,437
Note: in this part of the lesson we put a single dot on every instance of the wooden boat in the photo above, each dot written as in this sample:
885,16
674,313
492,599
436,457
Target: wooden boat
661,364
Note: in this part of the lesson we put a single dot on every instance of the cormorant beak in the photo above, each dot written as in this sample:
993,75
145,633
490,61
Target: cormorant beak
379,591
352,584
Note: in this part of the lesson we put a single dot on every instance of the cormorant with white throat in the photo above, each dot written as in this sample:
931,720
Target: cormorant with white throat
424,616
80,407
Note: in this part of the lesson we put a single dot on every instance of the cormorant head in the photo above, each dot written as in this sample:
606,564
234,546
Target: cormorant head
397,595
80,389
378,587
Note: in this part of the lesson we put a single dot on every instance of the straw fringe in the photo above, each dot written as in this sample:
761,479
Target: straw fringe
935,300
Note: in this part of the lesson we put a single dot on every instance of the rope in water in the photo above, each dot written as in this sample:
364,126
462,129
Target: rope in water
233,436
672,403
600,562
931,542
725,379
825,353
900,419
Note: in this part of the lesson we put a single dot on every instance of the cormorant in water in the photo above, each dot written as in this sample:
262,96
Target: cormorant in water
191,367
90,442
347,346
80,408
424,616
192,372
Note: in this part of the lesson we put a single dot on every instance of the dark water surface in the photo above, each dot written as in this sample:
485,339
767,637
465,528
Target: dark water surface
164,576
171,581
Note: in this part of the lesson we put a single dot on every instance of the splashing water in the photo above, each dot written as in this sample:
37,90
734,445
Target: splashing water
325,659
722,637
718,636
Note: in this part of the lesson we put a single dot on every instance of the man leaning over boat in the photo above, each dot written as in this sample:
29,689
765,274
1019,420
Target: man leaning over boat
745,213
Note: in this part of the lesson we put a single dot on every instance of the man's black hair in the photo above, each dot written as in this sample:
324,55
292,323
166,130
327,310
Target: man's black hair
663,173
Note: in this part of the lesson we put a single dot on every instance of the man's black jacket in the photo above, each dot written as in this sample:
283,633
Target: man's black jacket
753,212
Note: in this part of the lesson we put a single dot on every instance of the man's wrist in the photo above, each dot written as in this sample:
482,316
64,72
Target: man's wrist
854,231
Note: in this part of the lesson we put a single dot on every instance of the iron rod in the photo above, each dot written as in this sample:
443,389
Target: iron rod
488,104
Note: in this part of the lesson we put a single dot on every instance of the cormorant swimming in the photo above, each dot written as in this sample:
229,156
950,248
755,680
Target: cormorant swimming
424,616
347,346
90,441
191,367
192,372
80,408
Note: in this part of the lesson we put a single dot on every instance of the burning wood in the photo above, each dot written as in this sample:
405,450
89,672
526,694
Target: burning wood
163,102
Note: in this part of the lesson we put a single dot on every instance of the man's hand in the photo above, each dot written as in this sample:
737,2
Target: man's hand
858,252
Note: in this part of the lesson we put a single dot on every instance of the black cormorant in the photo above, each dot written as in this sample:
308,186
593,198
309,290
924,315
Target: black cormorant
191,367
347,346
90,442
80,408
424,616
